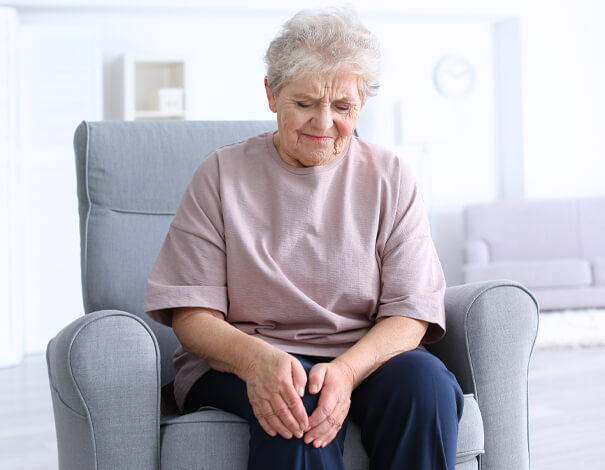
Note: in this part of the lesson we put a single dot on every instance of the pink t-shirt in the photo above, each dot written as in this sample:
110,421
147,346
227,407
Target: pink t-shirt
304,258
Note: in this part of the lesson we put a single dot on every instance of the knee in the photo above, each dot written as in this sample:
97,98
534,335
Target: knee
427,384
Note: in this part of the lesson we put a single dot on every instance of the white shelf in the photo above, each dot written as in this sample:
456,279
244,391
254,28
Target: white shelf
145,79
139,115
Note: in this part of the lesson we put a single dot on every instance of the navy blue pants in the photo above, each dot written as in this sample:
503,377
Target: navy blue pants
408,411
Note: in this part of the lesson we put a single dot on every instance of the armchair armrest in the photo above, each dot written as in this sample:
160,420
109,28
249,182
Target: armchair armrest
104,373
491,330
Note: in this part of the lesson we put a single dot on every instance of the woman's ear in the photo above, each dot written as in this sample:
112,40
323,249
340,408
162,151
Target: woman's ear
270,97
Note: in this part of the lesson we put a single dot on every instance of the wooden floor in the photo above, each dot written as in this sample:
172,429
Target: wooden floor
567,413
567,409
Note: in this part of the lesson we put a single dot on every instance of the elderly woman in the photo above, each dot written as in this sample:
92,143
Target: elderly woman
300,277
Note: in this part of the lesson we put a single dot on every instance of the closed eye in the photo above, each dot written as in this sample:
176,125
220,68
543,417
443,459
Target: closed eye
302,104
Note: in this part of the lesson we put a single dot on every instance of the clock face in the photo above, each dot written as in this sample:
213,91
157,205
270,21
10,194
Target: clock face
454,76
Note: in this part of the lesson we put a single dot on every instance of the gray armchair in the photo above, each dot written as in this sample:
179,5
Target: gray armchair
108,369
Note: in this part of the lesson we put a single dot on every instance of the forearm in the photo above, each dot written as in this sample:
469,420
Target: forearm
388,338
275,381
206,334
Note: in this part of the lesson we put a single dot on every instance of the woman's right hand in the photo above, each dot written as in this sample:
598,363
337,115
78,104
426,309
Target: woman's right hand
275,380
276,384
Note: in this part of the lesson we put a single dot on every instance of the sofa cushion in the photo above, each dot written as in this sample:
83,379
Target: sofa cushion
535,274
525,230
571,298
220,440
592,227
598,271
476,252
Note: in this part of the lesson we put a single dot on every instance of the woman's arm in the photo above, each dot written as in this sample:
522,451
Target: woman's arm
388,338
336,380
275,380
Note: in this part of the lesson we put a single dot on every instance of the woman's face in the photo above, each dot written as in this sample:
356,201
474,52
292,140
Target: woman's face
316,116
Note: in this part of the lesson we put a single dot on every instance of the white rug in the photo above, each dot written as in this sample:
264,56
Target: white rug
571,329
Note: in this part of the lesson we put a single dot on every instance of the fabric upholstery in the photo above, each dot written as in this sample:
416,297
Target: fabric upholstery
130,181
476,252
507,227
591,216
104,375
553,247
180,433
106,368
494,366
468,465
538,274
599,271
570,298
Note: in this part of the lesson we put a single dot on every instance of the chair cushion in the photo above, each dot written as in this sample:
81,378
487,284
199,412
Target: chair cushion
215,439
535,274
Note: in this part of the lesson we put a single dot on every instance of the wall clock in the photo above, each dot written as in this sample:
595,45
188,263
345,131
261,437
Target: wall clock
454,76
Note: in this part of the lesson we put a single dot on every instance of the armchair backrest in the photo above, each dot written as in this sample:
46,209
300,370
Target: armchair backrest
130,179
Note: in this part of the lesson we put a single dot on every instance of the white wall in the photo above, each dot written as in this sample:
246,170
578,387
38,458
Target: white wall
450,141
59,85
556,147
11,318
563,76
226,77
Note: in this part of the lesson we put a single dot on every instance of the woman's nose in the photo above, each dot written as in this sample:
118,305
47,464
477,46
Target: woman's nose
322,118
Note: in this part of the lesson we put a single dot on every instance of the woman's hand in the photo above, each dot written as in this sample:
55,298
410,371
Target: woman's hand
276,384
275,380
335,381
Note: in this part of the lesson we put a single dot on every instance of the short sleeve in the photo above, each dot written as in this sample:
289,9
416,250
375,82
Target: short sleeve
412,280
190,270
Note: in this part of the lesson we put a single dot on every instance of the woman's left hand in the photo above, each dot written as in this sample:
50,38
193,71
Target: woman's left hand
335,382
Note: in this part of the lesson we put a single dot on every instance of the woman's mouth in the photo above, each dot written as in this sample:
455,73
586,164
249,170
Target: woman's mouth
318,138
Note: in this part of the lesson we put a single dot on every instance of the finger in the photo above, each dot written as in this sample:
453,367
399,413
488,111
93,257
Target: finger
322,435
317,376
275,421
324,417
296,408
266,427
270,423
325,407
299,378
291,412
327,430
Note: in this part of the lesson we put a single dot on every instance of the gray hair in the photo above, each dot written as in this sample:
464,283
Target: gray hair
324,41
